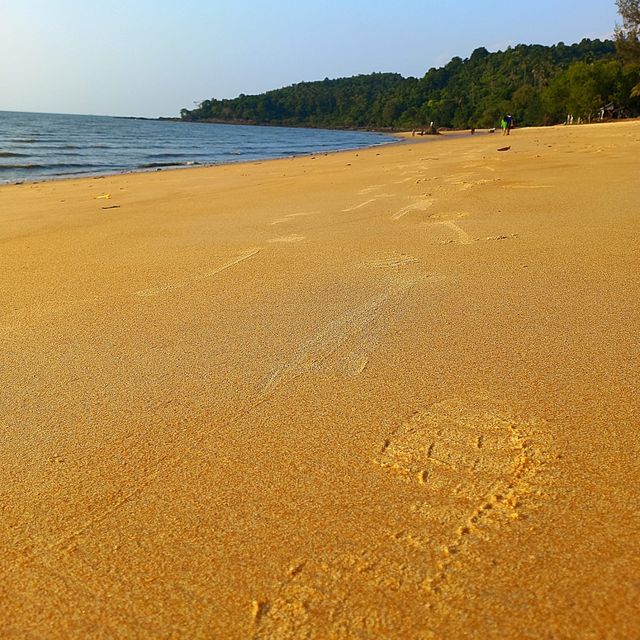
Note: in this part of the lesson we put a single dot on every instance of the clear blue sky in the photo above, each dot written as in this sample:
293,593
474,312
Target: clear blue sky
152,57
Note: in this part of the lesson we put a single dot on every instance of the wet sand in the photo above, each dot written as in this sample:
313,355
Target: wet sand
379,394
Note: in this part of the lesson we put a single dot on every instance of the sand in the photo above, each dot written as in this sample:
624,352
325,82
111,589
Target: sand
379,394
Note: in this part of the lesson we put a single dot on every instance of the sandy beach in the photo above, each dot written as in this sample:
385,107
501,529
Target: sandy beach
389,393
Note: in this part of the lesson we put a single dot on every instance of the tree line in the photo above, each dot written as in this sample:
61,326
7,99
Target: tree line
537,84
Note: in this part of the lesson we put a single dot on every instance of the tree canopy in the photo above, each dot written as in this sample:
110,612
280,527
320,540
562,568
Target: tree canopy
537,84
628,36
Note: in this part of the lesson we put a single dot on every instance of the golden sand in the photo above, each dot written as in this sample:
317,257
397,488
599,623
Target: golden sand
380,394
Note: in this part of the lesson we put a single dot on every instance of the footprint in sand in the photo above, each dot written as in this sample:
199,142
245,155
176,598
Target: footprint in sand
527,186
473,472
169,287
411,178
392,261
499,237
291,216
346,339
294,237
416,206
369,189
367,202
465,185
480,166
462,237
447,219
445,216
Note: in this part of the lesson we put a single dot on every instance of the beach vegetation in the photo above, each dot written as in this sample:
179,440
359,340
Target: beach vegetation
628,38
537,84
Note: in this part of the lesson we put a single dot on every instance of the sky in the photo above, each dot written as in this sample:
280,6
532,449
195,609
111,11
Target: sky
153,57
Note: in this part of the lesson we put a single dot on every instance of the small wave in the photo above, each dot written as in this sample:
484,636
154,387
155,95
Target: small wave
154,165
24,140
49,167
56,147
157,157
161,156
13,167
11,154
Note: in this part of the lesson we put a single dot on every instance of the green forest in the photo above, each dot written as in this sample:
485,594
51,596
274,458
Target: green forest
537,84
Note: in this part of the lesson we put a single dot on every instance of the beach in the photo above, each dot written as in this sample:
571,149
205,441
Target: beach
388,393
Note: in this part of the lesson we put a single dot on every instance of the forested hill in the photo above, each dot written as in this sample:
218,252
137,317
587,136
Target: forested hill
537,84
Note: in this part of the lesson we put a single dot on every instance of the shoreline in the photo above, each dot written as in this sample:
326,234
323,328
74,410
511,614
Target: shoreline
368,390
400,136
195,165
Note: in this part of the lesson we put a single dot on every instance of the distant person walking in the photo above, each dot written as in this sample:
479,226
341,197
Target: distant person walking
509,123
503,126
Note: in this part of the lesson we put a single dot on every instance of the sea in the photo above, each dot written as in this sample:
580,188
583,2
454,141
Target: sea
44,146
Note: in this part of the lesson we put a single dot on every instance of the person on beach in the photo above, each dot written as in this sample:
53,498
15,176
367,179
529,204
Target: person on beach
509,123
503,125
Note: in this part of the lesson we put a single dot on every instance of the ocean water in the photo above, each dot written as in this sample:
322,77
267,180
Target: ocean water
38,146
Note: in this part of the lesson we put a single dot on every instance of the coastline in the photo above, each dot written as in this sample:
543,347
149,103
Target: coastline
52,146
402,137
368,390
193,165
